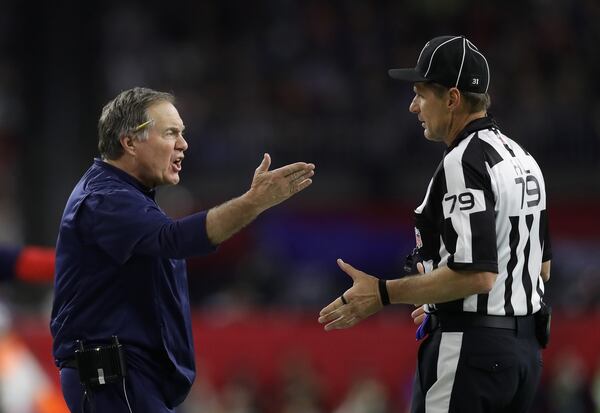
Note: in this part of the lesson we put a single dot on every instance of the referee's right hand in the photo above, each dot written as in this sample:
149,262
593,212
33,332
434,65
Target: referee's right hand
358,302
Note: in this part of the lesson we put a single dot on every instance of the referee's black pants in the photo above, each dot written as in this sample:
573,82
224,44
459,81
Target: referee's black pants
478,369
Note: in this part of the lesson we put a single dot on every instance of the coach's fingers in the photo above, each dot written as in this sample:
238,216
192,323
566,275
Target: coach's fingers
295,170
304,184
300,176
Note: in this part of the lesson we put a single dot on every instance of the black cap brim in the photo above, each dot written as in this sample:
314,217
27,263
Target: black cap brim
408,75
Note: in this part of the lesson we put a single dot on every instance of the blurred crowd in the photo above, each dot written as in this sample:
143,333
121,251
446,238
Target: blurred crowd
300,79
565,391
308,80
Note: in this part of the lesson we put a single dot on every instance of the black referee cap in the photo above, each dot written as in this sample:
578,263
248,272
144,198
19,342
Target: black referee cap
452,61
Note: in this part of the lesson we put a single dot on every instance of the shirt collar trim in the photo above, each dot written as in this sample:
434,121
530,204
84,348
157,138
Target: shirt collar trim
486,122
124,176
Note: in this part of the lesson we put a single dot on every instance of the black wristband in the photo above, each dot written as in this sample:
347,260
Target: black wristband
383,292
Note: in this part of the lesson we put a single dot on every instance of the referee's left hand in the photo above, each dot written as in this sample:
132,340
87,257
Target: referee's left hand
362,301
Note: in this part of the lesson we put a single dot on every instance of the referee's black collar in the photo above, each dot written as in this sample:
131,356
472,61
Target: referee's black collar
487,122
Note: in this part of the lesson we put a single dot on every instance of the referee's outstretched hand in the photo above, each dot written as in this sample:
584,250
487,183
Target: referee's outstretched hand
356,304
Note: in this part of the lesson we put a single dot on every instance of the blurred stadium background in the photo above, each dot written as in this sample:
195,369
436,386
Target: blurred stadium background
302,80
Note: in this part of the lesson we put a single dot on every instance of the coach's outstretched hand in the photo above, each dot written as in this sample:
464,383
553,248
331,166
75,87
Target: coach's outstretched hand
356,304
270,188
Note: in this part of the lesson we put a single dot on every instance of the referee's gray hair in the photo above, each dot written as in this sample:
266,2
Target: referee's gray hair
122,115
475,102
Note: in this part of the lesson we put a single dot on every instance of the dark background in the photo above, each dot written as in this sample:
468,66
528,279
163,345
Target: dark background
303,81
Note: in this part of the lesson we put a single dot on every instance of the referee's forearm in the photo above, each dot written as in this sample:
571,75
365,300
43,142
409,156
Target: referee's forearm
439,286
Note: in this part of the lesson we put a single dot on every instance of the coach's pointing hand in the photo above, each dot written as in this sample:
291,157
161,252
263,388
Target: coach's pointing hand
356,304
268,189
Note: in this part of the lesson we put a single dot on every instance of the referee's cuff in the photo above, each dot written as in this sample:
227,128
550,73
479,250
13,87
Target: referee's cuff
489,266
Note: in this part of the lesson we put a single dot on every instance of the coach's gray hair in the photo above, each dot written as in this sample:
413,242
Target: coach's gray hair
475,102
122,115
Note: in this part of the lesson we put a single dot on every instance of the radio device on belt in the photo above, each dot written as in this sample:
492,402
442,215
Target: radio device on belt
543,319
99,365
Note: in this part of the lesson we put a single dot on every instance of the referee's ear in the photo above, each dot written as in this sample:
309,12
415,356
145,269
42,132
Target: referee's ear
454,99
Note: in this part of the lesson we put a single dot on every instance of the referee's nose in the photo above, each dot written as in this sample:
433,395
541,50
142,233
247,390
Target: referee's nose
414,107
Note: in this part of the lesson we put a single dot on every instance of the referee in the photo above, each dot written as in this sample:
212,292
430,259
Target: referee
482,244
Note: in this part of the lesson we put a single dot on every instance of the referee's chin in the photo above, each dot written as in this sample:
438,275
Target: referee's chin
431,137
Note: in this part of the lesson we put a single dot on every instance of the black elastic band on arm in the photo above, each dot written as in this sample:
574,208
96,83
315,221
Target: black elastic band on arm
383,292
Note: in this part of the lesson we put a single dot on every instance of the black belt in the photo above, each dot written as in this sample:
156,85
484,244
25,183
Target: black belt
462,321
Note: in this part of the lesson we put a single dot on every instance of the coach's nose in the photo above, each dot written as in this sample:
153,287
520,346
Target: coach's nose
181,144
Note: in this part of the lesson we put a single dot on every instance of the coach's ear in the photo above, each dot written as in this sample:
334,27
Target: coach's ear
454,99
128,144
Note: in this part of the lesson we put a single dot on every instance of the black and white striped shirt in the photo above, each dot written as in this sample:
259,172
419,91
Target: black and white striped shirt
485,210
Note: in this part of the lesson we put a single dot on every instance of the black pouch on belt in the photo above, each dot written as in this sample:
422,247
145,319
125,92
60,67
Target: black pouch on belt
99,365
543,320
